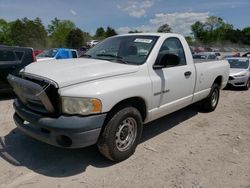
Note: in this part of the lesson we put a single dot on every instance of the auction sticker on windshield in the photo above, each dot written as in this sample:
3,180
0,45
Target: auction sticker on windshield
148,41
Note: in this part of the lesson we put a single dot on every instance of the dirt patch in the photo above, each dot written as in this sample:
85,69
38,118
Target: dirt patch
185,149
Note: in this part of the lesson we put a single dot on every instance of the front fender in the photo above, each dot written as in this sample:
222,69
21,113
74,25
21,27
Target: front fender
113,90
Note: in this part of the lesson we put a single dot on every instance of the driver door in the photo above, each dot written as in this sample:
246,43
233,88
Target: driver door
172,86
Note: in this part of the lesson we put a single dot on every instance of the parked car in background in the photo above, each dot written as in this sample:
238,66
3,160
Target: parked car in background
57,53
12,60
106,97
37,52
218,55
246,54
199,49
82,50
235,54
92,43
206,56
239,72
208,49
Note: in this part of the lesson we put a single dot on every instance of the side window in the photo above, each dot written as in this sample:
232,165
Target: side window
74,55
173,46
62,54
7,55
211,57
19,55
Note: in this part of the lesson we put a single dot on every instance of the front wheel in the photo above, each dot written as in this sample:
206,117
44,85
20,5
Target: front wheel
211,102
121,134
247,85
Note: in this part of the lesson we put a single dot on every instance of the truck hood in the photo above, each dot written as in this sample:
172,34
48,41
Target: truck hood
234,72
73,71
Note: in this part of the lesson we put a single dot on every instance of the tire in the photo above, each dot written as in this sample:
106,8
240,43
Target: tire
247,85
121,134
210,103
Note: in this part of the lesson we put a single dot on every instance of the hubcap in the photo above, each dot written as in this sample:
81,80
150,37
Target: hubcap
126,134
214,98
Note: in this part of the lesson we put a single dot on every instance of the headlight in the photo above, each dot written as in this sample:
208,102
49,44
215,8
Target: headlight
81,106
240,75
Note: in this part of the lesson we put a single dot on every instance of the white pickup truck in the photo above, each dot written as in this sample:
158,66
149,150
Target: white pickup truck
105,97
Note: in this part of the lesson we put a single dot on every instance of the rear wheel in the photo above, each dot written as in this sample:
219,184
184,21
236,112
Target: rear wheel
121,135
210,103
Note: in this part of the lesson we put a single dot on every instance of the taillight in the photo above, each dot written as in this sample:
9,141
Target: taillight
33,56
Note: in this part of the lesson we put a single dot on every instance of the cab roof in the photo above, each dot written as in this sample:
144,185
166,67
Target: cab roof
151,34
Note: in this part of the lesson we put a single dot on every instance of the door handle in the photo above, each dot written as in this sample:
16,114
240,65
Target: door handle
188,73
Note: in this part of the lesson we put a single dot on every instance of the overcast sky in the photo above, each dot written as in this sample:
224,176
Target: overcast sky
129,15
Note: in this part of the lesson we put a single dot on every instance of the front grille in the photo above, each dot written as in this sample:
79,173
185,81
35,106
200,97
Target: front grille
38,95
239,84
52,94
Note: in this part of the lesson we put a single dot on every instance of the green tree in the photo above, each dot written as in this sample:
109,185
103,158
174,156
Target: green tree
235,36
27,32
36,32
165,28
53,26
221,32
212,23
75,38
87,37
198,30
246,33
100,33
189,40
215,30
4,33
110,32
58,31
18,33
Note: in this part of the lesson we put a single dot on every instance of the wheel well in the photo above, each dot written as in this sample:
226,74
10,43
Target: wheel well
218,80
136,102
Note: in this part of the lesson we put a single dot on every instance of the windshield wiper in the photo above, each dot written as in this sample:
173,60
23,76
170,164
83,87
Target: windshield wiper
109,55
120,59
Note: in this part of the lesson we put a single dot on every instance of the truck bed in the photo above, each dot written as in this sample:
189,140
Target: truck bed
206,72
204,60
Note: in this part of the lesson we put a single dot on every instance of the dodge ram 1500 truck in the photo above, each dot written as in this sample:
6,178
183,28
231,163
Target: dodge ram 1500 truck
120,84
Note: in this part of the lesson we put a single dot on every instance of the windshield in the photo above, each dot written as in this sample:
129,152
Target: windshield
132,49
238,63
48,53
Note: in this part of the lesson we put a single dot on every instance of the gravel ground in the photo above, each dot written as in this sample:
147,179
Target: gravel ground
185,149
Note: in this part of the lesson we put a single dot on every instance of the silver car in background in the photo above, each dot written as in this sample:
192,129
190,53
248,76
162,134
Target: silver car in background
239,72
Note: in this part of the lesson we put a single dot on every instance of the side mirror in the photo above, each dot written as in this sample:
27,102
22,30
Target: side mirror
167,60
